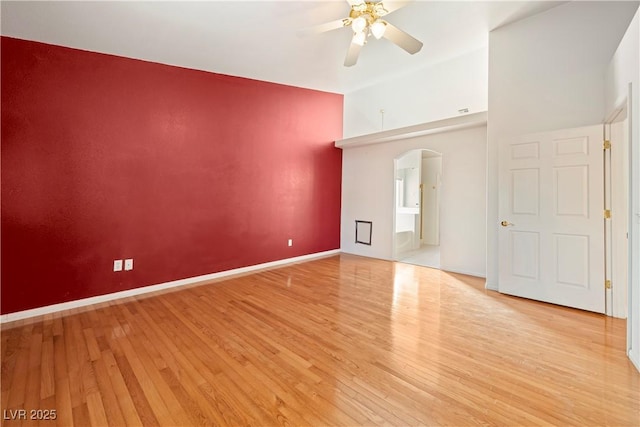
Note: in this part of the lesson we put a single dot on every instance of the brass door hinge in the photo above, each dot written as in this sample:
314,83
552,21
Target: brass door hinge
606,145
607,284
607,214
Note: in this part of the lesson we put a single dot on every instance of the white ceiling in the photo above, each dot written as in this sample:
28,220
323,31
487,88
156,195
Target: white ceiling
259,39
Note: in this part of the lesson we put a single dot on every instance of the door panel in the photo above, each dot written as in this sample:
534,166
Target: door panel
525,189
551,200
571,191
571,260
525,247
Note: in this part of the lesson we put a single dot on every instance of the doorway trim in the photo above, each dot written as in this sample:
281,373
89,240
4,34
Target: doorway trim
617,302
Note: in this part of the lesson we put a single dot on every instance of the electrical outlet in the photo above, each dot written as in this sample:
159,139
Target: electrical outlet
117,265
128,264
290,242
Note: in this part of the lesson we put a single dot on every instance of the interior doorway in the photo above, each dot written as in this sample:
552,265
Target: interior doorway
418,177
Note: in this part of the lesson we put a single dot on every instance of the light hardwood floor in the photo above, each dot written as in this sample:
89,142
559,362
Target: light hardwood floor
337,341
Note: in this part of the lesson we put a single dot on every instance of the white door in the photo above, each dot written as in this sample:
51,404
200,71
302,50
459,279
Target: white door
551,241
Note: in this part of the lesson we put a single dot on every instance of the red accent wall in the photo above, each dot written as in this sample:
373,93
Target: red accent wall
185,171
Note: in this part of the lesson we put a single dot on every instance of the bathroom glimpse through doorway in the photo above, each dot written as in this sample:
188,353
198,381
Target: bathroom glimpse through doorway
418,176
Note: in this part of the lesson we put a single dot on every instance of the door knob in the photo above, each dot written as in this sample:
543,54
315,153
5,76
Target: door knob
505,223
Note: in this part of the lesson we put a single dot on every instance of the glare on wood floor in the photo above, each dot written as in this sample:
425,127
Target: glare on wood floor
343,340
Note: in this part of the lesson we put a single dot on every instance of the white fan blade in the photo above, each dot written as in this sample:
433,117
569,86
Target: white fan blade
328,26
393,5
352,54
402,39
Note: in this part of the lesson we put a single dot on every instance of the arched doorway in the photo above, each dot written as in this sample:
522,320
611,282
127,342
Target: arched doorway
418,176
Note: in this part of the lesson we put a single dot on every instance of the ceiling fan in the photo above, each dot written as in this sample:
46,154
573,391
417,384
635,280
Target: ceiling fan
365,19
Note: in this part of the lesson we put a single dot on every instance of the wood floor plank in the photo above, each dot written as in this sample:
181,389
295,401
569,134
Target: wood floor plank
151,385
18,375
32,391
10,356
120,390
342,340
72,341
47,376
81,415
111,407
95,407
63,407
143,407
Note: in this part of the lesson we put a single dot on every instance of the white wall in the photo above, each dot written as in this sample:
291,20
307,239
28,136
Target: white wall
421,96
431,170
623,69
547,72
368,189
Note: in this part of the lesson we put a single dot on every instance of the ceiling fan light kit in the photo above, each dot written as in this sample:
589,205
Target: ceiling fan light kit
365,19
378,28
359,24
359,38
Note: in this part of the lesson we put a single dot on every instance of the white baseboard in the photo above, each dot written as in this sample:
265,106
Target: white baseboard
442,268
491,286
633,359
19,315
462,271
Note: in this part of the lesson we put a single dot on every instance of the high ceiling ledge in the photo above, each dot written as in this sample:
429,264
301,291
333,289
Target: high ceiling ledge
430,128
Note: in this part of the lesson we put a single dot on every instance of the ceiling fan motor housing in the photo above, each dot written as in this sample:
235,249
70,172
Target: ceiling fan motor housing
369,11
